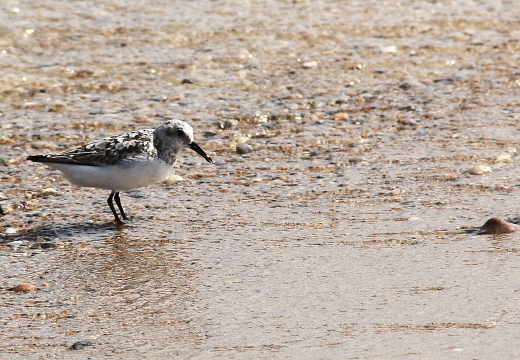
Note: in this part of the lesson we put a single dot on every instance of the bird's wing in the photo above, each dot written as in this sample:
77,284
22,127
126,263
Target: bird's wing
108,151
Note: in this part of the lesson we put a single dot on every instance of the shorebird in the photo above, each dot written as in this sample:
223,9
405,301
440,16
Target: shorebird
125,162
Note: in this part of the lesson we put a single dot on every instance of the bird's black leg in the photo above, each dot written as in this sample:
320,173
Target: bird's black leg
1,210
111,205
118,202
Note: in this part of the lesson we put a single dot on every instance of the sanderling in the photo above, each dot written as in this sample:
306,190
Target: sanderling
125,162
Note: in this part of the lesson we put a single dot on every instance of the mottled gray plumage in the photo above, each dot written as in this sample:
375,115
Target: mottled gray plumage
107,151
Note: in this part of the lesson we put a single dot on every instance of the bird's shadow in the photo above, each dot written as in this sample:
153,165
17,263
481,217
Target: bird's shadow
50,232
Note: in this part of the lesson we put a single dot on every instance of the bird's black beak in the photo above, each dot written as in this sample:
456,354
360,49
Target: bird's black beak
198,150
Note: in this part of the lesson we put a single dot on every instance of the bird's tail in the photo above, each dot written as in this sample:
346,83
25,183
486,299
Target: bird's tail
38,158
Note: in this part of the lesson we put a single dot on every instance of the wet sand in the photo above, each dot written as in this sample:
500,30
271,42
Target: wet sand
348,232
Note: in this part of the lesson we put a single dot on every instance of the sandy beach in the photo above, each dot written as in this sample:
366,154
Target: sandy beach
358,147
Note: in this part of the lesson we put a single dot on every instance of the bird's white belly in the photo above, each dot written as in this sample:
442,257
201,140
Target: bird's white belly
121,177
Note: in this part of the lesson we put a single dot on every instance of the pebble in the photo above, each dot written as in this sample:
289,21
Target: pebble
209,134
506,188
503,158
47,192
389,49
230,124
78,345
341,116
24,287
479,169
48,245
82,73
498,226
57,106
409,122
44,245
172,179
16,242
310,64
244,148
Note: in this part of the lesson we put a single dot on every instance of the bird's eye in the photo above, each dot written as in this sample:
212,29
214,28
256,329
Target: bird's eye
180,132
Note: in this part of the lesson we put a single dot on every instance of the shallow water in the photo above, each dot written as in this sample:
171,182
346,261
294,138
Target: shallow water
348,232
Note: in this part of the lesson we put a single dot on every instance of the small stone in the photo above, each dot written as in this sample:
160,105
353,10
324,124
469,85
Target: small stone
209,134
244,148
341,116
15,243
506,188
47,192
57,106
78,345
310,64
395,192
230,124
479,169
498,226
389,49
24,287
407,108
48,245
83,73
408,122
504,158
172,179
